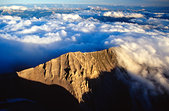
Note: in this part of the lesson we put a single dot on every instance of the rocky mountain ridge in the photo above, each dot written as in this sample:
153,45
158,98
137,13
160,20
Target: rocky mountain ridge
71,70
100,81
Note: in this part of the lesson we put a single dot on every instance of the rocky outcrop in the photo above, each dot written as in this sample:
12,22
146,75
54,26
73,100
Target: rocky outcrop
101,81
73,70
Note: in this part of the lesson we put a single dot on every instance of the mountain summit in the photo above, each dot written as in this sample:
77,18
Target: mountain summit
100,81
72,70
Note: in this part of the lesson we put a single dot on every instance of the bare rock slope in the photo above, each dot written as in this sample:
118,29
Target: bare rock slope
72,70
99,81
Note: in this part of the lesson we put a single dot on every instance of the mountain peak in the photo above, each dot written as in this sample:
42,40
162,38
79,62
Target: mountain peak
70,70
102,80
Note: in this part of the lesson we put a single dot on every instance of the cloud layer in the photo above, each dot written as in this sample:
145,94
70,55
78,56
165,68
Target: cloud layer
143,40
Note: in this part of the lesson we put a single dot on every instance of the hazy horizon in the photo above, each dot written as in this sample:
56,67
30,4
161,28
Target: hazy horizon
163,3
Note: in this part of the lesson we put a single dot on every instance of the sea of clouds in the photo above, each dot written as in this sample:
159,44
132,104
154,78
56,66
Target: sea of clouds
143,40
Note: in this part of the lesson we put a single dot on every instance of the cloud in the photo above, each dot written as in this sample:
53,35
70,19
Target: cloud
143,48
51,37
145,58
31,30
142,41
84,26
13,7
120,14
8,17
27,31
66,17
59,27
121,27
157,23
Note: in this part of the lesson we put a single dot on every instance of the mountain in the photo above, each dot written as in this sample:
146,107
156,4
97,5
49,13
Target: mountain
72,70
99,81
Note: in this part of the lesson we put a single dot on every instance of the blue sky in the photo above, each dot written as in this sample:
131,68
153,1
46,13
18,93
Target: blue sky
112,2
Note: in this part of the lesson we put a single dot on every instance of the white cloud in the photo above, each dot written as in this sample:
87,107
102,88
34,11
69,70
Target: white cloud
145,58
8,17
153,22
64,26
31,30
84,26
144,49
44,40
120,14
121,27
63,33
67,17
157,21
13,7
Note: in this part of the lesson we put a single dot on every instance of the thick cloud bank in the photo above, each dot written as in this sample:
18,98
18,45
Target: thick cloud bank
146,61
26,41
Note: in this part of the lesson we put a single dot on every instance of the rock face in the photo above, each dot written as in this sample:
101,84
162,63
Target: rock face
99,81
72,70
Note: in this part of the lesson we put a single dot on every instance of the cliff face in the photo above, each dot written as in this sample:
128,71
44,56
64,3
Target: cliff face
72,70
103,81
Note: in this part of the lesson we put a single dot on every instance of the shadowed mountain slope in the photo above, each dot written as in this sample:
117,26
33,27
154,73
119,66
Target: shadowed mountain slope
18,94
99,81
